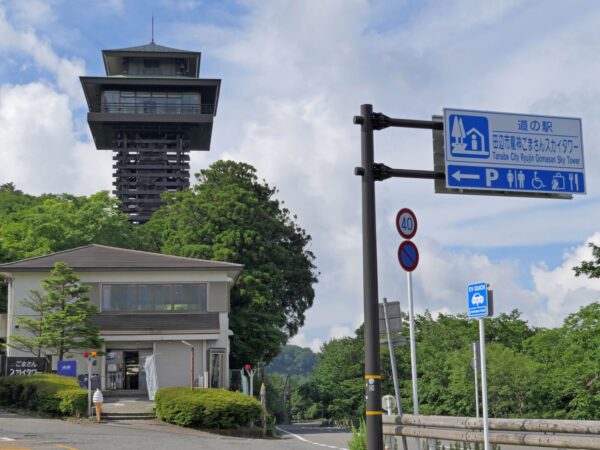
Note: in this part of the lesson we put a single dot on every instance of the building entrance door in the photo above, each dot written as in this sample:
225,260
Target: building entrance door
131,366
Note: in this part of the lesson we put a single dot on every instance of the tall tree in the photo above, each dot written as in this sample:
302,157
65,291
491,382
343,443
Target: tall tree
64,321
293,360
230,216
32,327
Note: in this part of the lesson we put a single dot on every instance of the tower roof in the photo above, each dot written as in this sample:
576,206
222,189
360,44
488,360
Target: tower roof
151,47
113,58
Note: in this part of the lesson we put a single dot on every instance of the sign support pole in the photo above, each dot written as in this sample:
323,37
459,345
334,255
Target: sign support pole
476,379
413,349
370,288
394,369
89,386
484,399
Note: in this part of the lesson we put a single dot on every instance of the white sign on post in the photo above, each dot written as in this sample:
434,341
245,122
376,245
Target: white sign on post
513,152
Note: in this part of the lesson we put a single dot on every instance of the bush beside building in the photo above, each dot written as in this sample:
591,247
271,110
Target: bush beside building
44,393
206,408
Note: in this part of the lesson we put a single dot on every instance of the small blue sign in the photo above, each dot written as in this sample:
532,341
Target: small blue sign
67,368
477,296
408,256
470,136
494,151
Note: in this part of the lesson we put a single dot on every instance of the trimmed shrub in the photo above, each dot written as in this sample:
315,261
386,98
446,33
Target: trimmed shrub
206,408
44,393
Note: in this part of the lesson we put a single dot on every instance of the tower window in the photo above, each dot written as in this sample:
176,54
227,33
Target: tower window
151,63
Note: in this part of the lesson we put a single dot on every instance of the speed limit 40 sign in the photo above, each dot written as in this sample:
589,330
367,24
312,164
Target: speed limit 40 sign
406,223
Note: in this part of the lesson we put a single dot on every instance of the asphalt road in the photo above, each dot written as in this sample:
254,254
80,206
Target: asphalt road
18,432
23,432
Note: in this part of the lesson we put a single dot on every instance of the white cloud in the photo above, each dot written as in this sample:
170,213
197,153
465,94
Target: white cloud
340,331
39,148
301,341
564,292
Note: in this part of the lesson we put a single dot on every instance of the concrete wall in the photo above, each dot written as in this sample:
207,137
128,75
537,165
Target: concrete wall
173,362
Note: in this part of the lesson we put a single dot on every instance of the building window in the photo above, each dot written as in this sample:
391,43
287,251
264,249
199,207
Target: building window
151,63
190,297
148,102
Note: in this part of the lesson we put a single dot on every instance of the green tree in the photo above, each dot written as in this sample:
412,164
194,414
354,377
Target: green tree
65,316
338,378
33,339
293,360
590,268
34,226
54,223
230,216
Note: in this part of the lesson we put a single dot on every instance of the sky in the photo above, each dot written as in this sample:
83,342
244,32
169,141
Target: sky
294,73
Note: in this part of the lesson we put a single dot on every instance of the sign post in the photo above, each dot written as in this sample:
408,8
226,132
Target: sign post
370,286
408,257
553,137
397,327
475,370
89,356
479,304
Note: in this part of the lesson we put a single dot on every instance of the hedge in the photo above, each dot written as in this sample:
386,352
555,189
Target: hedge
206,408
44,393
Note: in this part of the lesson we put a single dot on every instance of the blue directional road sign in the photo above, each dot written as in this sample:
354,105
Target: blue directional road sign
513,152
408,256
477,296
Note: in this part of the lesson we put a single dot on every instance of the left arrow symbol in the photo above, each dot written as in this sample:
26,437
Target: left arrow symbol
465,176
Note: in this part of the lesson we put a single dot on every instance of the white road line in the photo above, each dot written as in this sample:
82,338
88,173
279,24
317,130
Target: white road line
310,442
6,439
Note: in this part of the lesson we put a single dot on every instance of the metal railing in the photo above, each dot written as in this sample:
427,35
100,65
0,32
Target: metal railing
573,434
155,108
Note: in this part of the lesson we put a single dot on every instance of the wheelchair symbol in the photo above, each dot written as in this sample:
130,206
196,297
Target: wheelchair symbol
536,182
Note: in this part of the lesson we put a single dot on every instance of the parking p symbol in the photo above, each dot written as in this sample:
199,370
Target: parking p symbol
490,175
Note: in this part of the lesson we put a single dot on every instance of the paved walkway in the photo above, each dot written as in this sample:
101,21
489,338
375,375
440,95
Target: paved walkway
127,405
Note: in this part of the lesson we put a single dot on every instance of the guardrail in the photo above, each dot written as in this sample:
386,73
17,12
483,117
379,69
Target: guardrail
526,432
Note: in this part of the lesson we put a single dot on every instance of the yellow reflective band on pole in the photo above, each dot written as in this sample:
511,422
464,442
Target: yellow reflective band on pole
373,377
374,413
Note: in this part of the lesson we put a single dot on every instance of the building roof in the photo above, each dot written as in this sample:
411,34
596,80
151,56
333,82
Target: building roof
102,258
150,48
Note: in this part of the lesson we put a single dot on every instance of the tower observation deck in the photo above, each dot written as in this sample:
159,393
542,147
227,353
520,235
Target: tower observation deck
151,110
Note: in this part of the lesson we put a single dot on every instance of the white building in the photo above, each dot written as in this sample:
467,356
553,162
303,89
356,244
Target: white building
149,303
